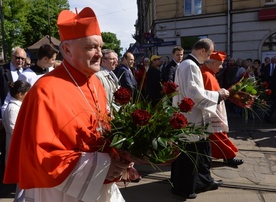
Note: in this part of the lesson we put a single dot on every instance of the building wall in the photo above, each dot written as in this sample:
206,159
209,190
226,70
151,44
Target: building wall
247,4
214,27
247,31
249,34
214,6
167,9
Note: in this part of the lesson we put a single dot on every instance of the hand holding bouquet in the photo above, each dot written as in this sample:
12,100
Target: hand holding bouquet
249,92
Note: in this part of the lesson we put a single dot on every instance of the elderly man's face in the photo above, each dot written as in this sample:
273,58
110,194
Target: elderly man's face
18,58
216,66
110,61
85,54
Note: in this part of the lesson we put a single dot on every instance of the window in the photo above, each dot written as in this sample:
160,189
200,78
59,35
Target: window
192,7
270,43
268,2
187,42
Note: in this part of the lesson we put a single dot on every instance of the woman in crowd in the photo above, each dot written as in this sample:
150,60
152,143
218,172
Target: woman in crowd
18,90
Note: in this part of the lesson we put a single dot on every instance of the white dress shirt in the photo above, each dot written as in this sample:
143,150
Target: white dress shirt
9,119
14,72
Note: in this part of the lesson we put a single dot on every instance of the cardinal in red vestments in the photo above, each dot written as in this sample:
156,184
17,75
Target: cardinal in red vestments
58,151
222,146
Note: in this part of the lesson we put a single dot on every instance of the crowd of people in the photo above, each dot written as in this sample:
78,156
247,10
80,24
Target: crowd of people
54,145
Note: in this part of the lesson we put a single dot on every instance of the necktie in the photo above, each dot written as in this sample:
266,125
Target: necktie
18,72
112,76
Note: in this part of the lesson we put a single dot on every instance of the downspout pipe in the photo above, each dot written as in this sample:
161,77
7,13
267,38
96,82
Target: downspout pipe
229,28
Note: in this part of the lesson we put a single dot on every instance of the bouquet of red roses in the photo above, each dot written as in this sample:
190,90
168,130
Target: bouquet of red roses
156,134
249,92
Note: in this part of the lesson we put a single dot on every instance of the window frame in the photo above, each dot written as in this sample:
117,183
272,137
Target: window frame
270,3
193,8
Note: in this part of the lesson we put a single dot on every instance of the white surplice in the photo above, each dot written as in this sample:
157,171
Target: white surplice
189,79
84,184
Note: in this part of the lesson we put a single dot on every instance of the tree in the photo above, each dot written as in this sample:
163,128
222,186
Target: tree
111,42
43,19
27,21
15,21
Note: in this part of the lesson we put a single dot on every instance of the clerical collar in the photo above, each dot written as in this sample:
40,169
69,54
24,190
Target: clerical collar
38,70
195,59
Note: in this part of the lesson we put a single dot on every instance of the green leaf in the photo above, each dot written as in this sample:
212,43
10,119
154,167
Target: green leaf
162,142
253,92
154,144
249,88
117,140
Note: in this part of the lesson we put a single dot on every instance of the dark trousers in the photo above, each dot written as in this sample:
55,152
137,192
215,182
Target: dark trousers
272,107
191,170
6,190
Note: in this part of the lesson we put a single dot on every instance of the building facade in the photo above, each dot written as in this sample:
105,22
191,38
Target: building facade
242,28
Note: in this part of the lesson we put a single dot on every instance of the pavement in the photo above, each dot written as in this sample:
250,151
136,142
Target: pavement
253,181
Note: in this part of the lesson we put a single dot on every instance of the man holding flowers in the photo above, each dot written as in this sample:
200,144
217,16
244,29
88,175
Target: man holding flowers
222,146
190,172
60,155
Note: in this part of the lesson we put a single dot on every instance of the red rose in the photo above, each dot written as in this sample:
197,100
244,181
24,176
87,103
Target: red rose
122,95
169,87
178,121
265,84
268,92
140,117
186,104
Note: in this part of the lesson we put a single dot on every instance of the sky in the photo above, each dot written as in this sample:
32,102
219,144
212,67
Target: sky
116,16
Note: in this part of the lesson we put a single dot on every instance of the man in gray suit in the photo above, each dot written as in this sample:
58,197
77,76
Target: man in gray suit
106,76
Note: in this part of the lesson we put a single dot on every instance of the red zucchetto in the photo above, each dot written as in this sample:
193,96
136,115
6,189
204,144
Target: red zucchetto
218,55
74,26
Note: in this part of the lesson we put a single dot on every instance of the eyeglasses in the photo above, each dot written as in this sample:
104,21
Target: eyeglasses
111,58
19,58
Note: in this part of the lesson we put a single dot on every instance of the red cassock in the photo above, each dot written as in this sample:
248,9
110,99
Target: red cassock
222,146
57,121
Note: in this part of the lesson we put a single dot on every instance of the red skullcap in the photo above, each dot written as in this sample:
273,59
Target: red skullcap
74,26
218,55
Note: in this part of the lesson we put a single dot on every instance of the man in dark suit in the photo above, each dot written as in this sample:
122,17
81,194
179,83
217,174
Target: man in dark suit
154,89
270,76
268,70
10,71
125,73
168,72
